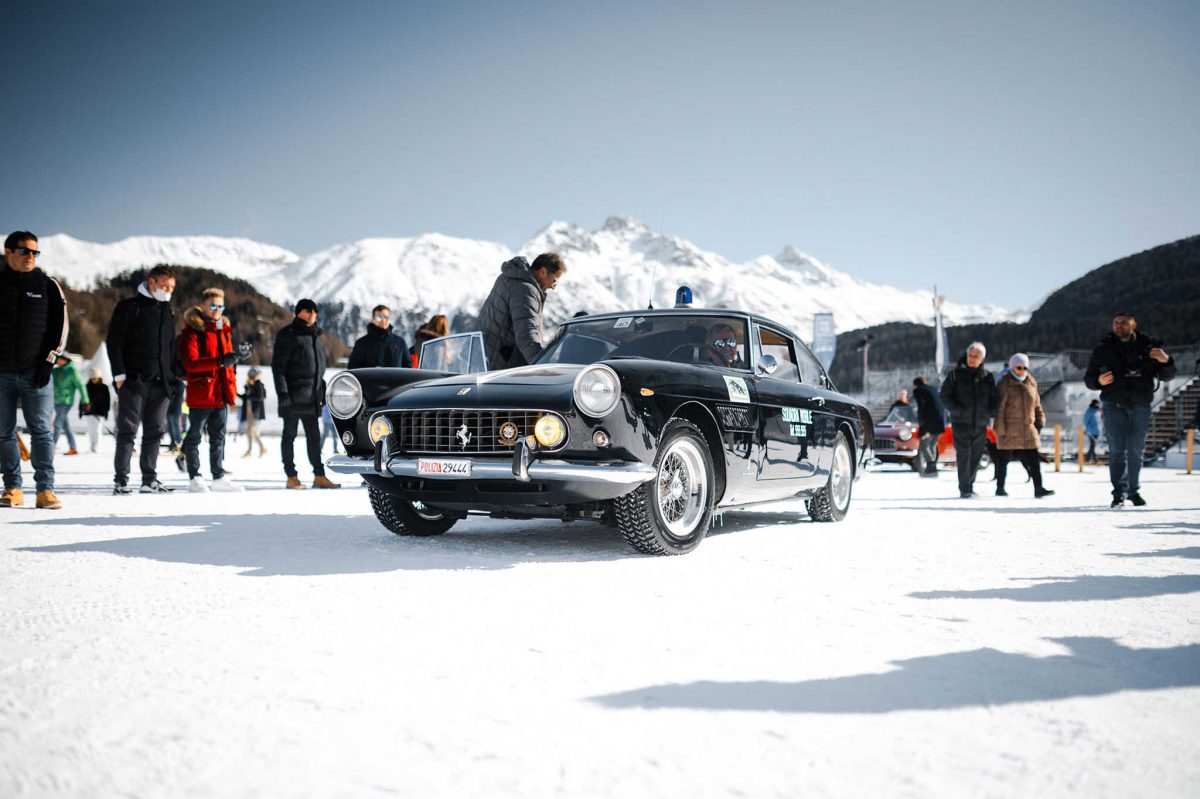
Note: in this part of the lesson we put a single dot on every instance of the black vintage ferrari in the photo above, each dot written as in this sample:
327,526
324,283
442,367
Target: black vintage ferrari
647,421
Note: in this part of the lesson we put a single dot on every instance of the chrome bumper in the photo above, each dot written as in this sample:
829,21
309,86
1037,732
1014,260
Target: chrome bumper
616,473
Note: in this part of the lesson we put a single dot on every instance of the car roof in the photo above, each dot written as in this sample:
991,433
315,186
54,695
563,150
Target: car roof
679,312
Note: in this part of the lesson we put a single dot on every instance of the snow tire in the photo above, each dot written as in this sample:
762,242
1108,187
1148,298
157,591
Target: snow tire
832,503
403,518
670,515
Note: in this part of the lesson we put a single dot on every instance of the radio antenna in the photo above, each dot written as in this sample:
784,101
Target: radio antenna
658,252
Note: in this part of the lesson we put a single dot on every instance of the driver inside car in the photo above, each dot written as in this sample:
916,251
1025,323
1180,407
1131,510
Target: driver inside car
722,345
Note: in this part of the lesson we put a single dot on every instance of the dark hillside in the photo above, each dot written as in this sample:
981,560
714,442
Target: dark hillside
1161,286
255,318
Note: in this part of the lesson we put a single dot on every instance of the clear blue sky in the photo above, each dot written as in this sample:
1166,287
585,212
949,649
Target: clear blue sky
997,149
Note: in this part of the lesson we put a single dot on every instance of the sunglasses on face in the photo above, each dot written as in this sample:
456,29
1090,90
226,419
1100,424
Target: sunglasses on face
723,343
379,318
216,307
27,251
1018,368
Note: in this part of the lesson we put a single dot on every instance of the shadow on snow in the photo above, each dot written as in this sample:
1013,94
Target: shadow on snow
1088,588
979,678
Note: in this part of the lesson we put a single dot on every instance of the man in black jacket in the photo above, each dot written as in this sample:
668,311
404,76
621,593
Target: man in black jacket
1123,369
970,396
141,349
931,422
33,330
381,346
298,366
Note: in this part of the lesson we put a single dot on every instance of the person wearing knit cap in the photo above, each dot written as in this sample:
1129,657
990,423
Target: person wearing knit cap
1018,425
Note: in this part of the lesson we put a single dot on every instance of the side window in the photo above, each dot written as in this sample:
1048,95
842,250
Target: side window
781,348
810,368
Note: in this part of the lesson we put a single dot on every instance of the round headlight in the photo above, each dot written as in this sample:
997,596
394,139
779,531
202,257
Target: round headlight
380,427
905,434
344,395
549,431
597,390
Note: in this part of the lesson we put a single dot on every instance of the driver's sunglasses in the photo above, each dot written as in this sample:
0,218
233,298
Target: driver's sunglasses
381,318
723,343
216,307
1018,368
27,251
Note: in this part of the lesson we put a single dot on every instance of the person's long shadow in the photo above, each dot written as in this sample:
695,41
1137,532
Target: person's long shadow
1088,588
1182,552
978,678
1166,528
305,545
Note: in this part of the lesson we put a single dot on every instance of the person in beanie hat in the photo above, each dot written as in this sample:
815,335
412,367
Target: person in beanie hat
206,352
298,366
33,330
1018,426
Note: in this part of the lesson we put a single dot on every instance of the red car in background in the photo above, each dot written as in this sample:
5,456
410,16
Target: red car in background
897,435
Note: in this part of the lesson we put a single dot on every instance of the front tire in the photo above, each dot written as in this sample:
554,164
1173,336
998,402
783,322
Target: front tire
832,503
404,517
671,514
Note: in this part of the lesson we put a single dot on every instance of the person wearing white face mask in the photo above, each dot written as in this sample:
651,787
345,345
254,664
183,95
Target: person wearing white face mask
141,348
1018,425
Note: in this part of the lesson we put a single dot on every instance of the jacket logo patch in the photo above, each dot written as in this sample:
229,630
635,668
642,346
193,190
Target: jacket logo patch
463,435
33,295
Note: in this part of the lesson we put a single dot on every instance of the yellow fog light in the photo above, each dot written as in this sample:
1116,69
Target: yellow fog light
549,431
380,428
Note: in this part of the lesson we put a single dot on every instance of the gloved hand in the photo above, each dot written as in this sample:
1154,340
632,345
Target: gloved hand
228,359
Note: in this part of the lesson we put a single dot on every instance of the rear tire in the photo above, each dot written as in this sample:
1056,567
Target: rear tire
671,514
832,503
404,517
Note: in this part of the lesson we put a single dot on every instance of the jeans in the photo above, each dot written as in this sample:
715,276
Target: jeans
1091,449
969,446
142,404
312,438
62,424
1126,427
927,453
37,406
199,420
175,427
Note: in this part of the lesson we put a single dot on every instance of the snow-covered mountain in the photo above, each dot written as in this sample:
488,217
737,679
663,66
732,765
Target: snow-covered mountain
618,266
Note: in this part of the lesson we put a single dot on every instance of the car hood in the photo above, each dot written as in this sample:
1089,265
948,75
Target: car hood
547,387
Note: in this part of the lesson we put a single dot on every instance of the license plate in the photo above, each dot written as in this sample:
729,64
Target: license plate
444,467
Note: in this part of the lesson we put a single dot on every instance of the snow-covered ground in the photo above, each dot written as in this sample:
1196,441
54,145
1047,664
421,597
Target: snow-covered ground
280,643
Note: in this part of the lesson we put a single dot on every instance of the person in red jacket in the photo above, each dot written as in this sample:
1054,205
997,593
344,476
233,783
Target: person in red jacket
206,352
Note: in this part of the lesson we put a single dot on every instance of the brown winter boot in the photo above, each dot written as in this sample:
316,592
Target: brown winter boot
321,481
47,500
294,482
12,498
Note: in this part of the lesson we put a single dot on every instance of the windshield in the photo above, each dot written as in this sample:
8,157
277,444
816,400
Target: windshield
718,341
899,414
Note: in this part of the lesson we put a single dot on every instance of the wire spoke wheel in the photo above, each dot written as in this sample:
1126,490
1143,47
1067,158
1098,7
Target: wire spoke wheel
682,495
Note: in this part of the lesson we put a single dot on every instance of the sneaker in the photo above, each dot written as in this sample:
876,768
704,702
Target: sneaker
197,485
1043,492
121,488
965,494
47,501
1000,492
154,487
1136,499
1118,502
12,498
294,482
321,481
71,452
223,483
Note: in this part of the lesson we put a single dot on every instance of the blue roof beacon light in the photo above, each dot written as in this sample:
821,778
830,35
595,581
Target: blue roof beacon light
683,297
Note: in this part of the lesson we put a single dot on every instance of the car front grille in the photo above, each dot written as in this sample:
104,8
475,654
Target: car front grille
443,432
884,444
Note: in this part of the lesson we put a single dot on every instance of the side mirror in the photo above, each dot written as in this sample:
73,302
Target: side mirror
767,365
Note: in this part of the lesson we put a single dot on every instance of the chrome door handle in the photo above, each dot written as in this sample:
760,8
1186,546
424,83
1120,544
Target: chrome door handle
820,401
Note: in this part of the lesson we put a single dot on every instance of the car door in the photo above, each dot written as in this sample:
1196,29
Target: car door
790,454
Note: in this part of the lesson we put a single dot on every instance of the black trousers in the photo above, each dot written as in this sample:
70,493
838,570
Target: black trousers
144,404
312,438
200,421
1027,457
969,446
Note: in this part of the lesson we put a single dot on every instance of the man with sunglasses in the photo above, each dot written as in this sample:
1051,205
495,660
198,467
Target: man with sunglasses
381,346
206,352
33,331
1124,369
722,346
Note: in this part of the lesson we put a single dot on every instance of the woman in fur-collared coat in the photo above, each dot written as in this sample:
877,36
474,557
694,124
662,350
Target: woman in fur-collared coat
1018,425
